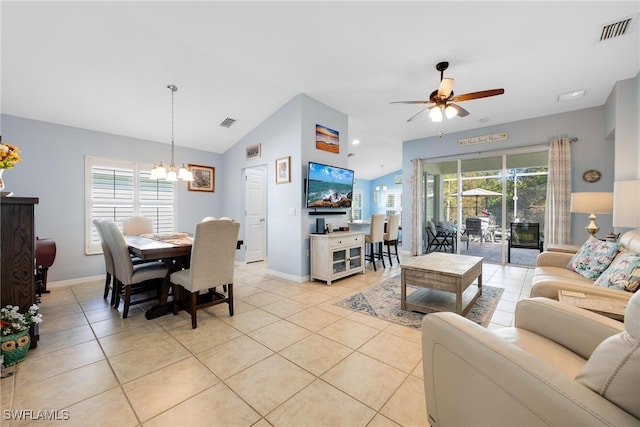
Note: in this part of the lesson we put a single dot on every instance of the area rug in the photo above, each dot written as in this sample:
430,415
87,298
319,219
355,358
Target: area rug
383,301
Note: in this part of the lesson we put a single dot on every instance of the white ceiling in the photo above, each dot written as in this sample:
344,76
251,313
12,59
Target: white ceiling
105,65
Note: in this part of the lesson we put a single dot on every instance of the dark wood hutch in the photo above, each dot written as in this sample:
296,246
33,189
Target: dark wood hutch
17,255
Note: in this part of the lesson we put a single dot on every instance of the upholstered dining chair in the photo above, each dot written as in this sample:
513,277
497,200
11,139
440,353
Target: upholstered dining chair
109,267
376,238
136,225
212,264
391,236
131,279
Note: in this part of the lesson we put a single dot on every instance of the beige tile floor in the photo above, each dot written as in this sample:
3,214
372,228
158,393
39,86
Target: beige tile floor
288,357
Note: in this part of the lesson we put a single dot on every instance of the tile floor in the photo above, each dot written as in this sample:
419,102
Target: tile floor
288,357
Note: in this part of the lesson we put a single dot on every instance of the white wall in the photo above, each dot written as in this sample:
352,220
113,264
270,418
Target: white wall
290,131
52,169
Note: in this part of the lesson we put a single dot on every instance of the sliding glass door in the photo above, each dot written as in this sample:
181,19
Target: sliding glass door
479,198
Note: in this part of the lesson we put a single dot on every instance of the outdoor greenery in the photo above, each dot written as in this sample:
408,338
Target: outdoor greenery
531,193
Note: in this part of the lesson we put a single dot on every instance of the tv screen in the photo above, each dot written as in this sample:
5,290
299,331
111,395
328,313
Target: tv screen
329,186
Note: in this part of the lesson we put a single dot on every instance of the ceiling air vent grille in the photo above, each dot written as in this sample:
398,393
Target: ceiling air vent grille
227,122
615,29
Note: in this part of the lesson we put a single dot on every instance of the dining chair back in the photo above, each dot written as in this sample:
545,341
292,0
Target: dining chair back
109,266
375,238
391,236
136,225
212,264
132,279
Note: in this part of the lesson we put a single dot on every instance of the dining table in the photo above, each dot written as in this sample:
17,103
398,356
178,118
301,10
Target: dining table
174,249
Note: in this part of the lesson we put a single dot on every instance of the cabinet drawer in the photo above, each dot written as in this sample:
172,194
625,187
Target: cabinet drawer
335,242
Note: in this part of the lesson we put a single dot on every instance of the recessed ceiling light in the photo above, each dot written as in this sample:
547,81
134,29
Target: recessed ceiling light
484,120
355,142
572,95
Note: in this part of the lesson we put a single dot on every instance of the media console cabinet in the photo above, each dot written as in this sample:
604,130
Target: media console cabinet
336,255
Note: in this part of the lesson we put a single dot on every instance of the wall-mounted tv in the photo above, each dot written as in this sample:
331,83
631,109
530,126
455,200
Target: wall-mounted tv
329,186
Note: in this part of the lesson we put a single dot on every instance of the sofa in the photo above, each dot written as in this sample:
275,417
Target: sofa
551,273
558,366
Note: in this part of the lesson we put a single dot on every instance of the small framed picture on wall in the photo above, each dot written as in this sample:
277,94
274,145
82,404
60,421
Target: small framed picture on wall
283,170
253,151
204,178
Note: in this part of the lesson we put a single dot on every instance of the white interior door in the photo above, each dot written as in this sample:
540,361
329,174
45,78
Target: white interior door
255,214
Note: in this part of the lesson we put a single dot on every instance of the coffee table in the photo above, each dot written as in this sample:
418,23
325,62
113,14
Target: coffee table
610,307
437,273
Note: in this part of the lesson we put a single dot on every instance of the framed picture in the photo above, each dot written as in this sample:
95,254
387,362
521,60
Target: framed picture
204,178
397,179
253,151
327,139
283,170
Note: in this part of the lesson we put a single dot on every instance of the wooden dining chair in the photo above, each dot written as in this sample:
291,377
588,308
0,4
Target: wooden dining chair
212,265
375,238
109,266
137,225
132,279
391,236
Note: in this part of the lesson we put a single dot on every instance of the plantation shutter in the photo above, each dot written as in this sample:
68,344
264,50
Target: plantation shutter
117,190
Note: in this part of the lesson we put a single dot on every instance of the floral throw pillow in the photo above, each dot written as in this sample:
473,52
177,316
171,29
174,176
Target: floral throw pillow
622,274
593,258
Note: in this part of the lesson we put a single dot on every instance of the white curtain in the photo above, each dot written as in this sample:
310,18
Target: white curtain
416,207
557,224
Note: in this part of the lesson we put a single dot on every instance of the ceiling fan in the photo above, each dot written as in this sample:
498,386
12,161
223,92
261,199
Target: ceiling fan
443,98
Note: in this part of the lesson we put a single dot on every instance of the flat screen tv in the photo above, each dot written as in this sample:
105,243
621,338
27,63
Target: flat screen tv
329,186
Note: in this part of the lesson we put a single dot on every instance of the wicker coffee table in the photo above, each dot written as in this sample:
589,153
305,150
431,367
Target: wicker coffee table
440,273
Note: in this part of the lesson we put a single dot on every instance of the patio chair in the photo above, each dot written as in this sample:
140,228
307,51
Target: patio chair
524,235
439,239
473,226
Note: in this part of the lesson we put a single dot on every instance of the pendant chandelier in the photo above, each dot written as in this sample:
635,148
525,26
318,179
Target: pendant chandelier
381,187
172,173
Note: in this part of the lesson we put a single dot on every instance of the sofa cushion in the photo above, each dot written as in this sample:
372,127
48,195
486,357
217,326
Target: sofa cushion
593,258
622,274
613,370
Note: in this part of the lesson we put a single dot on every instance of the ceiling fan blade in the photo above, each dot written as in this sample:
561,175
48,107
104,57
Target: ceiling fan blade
445,88
461,111
476,95
417,114
410,102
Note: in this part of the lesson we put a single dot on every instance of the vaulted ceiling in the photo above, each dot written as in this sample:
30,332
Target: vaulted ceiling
105,65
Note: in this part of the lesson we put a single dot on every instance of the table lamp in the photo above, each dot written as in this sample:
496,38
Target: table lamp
592,203
626,203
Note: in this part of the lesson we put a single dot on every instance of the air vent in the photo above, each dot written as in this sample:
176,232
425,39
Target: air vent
615,29
227,122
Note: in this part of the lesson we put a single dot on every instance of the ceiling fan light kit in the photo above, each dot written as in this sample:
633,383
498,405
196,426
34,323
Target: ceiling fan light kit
443,98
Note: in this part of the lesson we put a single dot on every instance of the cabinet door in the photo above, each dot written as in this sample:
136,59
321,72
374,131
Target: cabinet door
339,261
355,257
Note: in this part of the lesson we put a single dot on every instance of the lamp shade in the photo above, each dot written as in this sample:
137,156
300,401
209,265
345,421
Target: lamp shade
626,203
592,203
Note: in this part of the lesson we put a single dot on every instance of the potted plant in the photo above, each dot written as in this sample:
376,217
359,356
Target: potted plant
14,332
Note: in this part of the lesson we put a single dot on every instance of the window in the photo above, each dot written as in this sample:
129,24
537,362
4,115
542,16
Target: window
356,205
119,189
393,203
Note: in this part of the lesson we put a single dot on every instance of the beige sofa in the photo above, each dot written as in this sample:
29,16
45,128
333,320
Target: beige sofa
559,366
551,274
